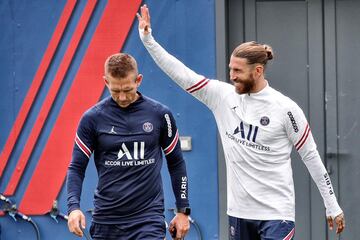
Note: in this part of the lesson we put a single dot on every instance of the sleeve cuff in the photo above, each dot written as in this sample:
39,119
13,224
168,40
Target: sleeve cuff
145,37
182,204
73,207
333,211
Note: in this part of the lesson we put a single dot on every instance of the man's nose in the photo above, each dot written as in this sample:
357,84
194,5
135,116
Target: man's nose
232,76
122,96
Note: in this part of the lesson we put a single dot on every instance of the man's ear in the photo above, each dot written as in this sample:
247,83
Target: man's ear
139,79
259,69
106,81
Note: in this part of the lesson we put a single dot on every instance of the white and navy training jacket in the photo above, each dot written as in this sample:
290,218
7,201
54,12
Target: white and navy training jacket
258,132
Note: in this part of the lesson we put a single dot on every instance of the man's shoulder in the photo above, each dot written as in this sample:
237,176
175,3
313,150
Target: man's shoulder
97,108
283,101
155,105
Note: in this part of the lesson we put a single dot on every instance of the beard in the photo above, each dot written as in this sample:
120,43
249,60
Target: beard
244,86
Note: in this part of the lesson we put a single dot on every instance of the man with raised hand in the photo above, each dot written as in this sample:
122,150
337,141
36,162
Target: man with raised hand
258,126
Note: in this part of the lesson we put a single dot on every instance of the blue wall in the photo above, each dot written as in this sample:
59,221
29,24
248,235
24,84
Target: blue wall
185,28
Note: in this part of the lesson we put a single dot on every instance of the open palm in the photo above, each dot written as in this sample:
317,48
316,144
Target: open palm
144,19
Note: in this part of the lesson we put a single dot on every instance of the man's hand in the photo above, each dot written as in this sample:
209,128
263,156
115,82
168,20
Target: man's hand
340,223
180,224
144,19
76,221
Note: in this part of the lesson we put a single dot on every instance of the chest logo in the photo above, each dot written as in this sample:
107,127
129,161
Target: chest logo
248,133
264,121
148,127
112,131
233,108
138,151
131,154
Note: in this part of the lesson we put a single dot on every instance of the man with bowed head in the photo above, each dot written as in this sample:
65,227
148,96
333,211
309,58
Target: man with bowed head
258,126
127,133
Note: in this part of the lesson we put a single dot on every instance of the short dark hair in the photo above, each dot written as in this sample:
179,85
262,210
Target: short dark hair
119,65
254,52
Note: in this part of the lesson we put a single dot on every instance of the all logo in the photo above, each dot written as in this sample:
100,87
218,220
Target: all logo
248,133
138,151
126,158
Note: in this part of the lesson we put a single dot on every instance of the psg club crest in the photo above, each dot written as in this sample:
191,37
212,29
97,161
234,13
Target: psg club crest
148,127
264,121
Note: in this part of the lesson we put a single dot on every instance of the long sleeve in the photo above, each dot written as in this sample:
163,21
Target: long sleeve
210,92
83,148
175,161
299,133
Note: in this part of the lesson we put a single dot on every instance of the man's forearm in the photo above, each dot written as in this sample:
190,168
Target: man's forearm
74,187
179,181
321,178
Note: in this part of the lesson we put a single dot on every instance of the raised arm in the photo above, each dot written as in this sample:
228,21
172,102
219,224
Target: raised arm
210,92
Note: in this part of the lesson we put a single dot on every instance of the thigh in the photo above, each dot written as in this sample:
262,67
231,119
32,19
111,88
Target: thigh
243,229
152,228
149,228
100,231
277,230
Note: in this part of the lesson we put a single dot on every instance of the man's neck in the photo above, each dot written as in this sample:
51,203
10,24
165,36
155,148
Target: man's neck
260,85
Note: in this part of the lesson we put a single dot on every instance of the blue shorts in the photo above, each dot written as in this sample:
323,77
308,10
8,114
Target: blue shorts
245,229
152,228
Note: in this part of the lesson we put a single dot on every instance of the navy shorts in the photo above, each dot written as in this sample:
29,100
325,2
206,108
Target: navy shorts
152,228
245,229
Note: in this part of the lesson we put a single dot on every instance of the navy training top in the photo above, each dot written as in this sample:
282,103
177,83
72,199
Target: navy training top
127,144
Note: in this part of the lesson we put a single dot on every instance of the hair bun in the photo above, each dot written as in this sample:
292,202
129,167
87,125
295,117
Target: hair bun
269,52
